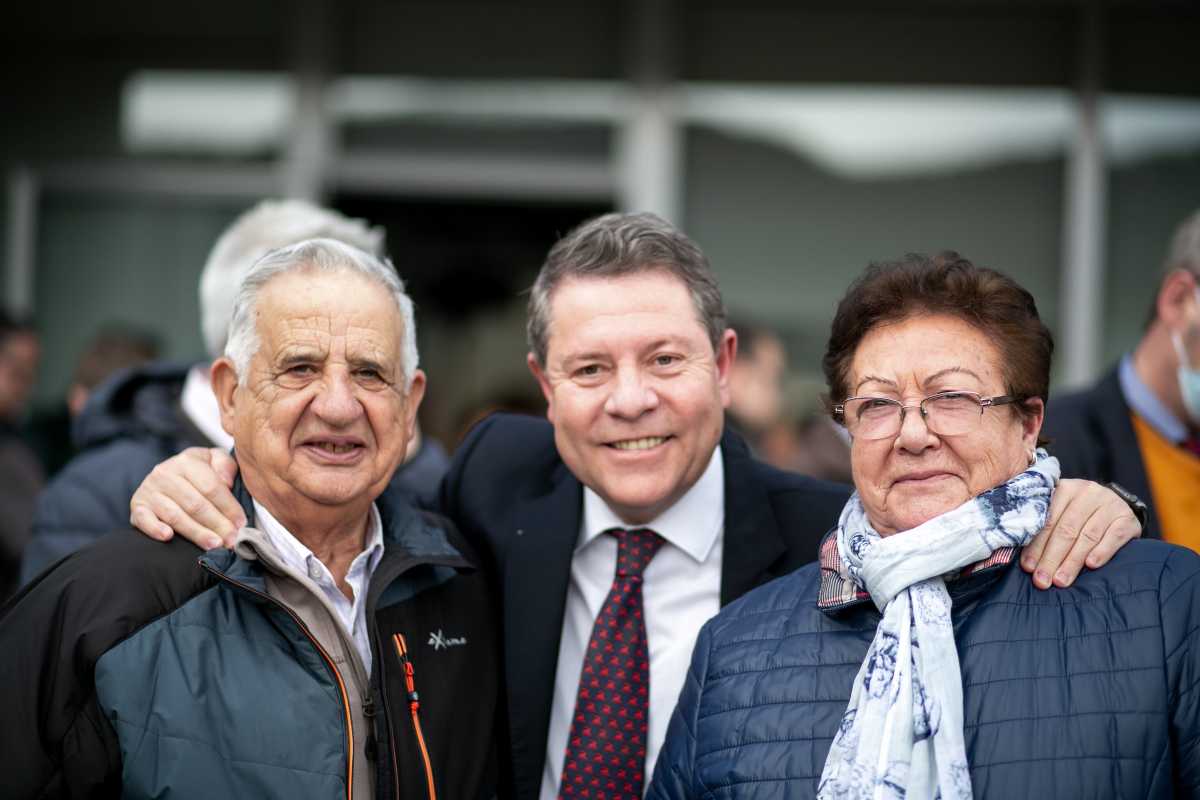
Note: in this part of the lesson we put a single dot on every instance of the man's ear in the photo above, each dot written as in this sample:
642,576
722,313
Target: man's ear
726,356
547,391
1174,296
416,392
225,383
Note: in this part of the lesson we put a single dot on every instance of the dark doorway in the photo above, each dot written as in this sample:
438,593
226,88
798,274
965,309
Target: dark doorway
467,264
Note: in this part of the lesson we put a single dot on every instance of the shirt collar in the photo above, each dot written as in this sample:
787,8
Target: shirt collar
837,591
1142,400
295,554
200,405
692,524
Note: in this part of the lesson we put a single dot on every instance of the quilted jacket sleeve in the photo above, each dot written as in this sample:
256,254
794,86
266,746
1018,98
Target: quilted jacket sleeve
675,775
87,500
1179,593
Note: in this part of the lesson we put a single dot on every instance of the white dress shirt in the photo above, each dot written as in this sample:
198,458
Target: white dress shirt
200,405
352,614
681,590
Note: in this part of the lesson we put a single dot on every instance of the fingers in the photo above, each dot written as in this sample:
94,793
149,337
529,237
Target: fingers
170,514
144,520
1123,529
187,495
200,505
1087,525
224,465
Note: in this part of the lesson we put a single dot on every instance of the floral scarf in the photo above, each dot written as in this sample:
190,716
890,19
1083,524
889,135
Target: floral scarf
902,733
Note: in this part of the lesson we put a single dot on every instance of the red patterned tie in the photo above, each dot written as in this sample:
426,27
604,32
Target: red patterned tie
1192,443
606,750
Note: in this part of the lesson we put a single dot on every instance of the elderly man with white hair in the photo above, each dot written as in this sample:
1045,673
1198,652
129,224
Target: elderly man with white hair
343,648
141,417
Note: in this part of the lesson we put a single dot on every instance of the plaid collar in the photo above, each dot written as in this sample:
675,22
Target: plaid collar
838,591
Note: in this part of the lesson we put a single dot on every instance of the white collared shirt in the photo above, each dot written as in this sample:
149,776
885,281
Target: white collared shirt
681,590
351,613
200,405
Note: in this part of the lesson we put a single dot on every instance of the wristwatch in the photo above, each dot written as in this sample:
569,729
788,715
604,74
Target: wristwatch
1139,509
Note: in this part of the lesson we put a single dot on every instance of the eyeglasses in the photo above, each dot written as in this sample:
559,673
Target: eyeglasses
945,413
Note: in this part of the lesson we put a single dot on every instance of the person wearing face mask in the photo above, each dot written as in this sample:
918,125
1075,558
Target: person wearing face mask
1140,425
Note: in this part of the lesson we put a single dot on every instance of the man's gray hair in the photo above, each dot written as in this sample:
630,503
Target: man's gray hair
1185,246
614,245
325,255
269,225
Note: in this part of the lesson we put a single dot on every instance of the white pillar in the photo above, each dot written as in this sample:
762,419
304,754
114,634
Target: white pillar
1081,293
649,149
309,148
22,193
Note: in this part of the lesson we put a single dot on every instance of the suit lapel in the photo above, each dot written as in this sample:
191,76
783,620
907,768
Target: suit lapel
537,574
1127,467
752,538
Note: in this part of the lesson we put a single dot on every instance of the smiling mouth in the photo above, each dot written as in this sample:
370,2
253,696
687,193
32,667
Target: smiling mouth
645,443
336,449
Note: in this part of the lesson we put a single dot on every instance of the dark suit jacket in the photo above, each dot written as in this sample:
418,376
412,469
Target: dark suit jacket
1091,435
511,494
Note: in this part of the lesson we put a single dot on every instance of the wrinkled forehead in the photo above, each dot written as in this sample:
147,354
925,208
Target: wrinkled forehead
310,305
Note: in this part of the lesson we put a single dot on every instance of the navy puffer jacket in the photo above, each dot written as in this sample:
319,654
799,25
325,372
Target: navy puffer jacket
1085,692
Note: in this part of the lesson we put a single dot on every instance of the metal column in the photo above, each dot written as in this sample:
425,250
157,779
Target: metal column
22,238
306,162
649,152
1081,293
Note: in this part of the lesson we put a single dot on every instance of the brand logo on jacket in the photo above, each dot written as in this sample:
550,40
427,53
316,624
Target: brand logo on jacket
441,642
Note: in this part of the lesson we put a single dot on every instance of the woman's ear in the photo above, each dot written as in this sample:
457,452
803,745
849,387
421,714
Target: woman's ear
1032,416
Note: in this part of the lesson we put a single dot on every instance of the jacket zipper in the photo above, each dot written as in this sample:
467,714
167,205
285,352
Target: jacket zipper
414,706
387,713
328,661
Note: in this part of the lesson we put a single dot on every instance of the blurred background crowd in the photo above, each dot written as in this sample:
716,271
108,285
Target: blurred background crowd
1058,141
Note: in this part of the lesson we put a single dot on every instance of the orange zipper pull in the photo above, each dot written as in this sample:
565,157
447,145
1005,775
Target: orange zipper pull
414,706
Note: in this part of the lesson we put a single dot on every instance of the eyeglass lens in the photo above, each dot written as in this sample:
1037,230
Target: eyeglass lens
950,414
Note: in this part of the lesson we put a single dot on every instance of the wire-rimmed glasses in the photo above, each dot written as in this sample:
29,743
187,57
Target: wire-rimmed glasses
951,413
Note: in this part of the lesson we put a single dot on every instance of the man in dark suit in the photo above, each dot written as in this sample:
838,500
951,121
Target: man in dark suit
618,529
510,488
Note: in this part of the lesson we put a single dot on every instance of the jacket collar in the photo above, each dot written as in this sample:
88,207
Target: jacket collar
753,542
406,535
837,592
537,573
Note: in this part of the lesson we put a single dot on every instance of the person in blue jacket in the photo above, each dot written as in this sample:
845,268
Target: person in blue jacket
346,646
914,660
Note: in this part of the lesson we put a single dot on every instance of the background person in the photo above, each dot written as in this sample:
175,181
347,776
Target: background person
290,666
1140,425
872,673
113,349
633,502
756,396
21,473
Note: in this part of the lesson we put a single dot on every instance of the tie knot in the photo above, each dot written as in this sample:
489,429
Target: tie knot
635,548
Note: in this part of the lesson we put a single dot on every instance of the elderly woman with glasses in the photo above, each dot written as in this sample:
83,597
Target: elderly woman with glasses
914,660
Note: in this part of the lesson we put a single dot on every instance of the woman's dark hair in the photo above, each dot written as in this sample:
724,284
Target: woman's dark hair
948,284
